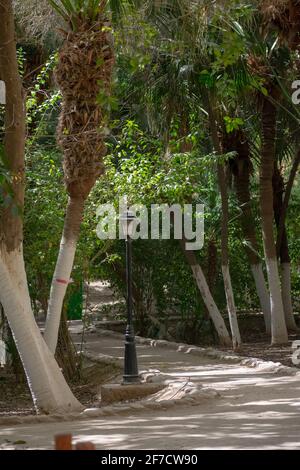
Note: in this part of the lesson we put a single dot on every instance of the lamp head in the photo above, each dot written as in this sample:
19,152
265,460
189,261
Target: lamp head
126,220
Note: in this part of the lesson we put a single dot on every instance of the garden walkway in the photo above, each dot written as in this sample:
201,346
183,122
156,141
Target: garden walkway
259,408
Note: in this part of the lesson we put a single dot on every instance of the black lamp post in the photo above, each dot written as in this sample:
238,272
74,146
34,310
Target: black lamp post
131,374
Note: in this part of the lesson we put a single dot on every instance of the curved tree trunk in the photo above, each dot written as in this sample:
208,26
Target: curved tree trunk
211,269
236,337
48,387
278,326
241,168
208,300
283,251
64,266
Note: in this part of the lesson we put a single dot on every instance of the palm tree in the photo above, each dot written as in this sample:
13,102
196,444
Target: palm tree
268,138
241,168
287,151
264,55
84,76
283,250
284,18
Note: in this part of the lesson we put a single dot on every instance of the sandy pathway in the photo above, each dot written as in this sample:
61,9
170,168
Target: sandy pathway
258,409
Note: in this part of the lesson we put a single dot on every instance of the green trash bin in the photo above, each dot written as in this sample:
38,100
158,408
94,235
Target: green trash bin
75,304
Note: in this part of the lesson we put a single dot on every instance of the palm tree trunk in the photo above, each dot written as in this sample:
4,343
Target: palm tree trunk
184,130
64,265
287,286
278,326
241,169
286,199
283,251
263,293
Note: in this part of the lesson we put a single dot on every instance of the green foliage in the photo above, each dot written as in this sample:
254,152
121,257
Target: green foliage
69,9
46,200
21,57
137,167
76,11
44,211
233,124
6,191
36,108
42,102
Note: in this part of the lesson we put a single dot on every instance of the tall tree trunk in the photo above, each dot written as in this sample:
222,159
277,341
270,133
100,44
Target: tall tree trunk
283,251
241,168
88,53
184,130
287,285
236,337
66,352
208,300
286,199
223,185
278,326
64,265
49,389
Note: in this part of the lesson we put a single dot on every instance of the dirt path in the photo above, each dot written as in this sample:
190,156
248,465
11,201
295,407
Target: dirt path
257,410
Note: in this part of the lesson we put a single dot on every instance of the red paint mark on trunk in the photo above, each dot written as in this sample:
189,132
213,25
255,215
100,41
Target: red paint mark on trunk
62,281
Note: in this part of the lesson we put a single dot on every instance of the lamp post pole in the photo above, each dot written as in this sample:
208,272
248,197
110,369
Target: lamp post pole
131,374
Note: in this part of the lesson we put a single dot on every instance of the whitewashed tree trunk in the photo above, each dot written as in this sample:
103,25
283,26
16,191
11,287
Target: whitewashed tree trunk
278,326
14,261
263,294
3,358
236,337
268,156
63,270
287,297
59,287
282,245
211,306
2,352
48,387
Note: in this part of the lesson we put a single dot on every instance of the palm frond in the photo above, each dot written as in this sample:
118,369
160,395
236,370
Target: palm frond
59,9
